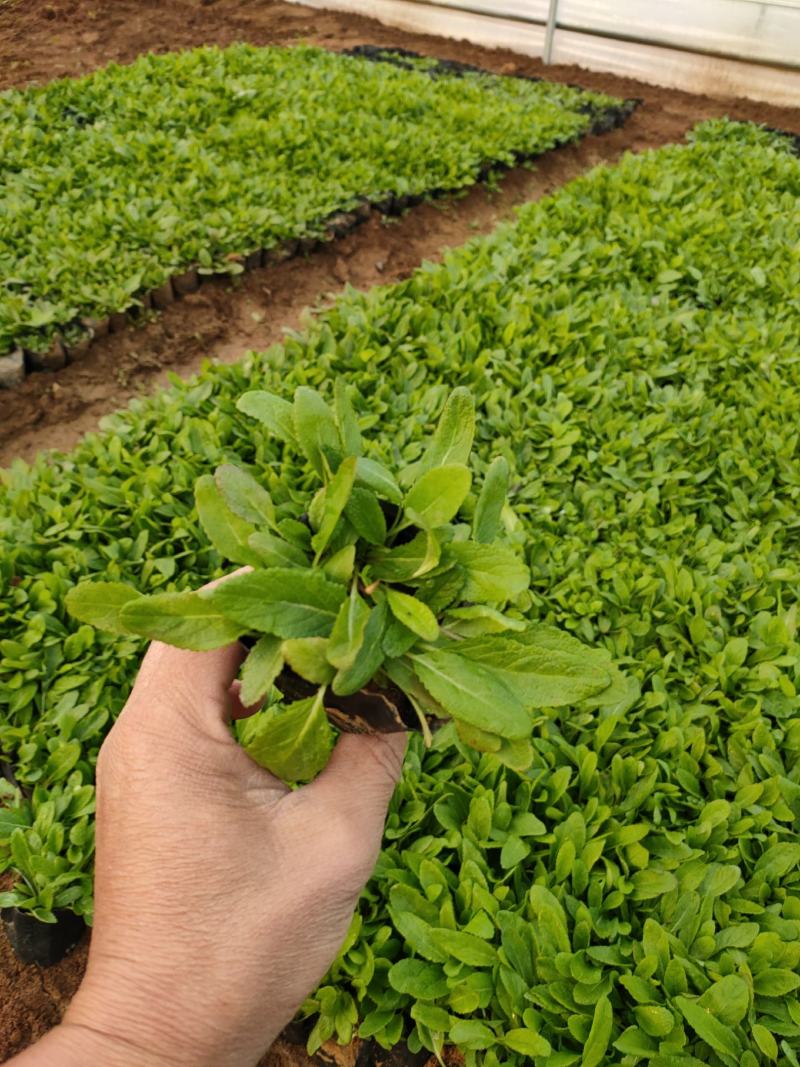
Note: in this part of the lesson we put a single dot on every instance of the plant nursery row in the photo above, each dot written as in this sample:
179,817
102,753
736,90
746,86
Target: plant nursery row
119,189
631,893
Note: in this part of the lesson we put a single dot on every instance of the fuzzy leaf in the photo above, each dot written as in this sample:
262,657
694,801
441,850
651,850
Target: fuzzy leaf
364,514
373,475
272,411
244,496
369,657
436,496
346,420
280,601
293,741
274,551
494,573
452,439
413,614
316,430
472,693
347,634
411,560
263,665
100,604
228,532
186,620
492,497
307,657
335,497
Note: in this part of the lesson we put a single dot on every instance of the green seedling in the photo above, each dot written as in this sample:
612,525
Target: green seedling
391,599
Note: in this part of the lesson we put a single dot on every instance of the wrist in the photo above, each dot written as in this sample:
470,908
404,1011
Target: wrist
76,1045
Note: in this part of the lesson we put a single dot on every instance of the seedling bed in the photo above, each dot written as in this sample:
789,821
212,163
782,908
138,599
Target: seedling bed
49,325
635,894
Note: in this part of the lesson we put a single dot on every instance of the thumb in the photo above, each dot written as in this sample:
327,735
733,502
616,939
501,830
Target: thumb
359,779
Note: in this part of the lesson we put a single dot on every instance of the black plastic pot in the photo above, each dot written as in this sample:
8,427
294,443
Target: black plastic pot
372,710
43,943
186,282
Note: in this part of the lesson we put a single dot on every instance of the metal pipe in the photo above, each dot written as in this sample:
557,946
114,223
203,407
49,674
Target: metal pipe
550,32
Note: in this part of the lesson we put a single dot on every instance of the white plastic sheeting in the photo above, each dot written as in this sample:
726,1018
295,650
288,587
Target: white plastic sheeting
740,29
753,51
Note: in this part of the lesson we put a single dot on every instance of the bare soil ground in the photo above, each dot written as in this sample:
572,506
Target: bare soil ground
44,40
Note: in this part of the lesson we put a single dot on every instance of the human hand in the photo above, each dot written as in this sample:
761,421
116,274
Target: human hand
221,896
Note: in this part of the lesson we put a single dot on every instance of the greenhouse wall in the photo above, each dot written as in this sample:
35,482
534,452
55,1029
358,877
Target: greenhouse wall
723,47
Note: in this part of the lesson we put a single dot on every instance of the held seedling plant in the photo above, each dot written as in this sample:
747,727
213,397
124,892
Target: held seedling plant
395,588
632,897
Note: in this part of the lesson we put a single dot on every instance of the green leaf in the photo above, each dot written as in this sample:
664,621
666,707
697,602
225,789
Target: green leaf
398,639
728,999
335,497
263,665
476,620
513,852
339,566
471,1034
775,982
100,604
778,860
480,740
307,656
418,979
346,420
274,551
652,883
364,514
186,620
435,498
594,1050
416,932
316,431
494,573
413,614
654,1019
347,634
228,532
369,657
715,1034
472,693
280,601
244,496
527,1042
464,947
274,412
537,671
765,1041
293,741
452,440
374,476
548,922
492,497
407,561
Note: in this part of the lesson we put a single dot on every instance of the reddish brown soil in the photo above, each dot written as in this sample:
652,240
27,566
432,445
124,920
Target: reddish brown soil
39,41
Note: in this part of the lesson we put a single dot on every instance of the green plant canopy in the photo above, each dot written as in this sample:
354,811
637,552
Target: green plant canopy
632,347
112,183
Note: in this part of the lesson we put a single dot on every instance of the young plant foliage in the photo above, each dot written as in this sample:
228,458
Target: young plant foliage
347,627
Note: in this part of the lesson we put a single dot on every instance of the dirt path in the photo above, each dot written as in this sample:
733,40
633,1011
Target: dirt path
40,40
